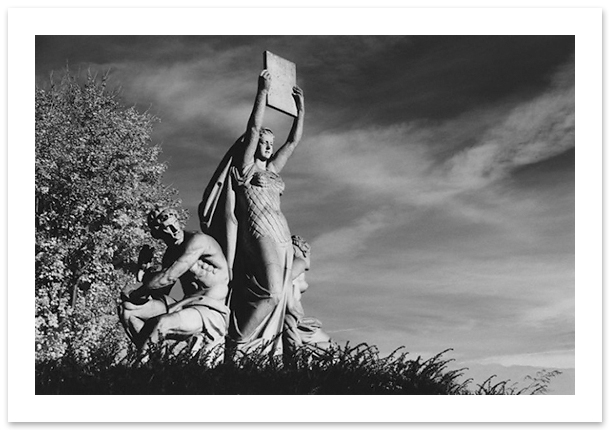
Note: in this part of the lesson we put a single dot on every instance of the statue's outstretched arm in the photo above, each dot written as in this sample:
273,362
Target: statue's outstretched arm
294,137
256,118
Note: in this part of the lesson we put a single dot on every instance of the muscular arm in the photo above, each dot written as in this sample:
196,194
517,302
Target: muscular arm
279,159
256,118
196,247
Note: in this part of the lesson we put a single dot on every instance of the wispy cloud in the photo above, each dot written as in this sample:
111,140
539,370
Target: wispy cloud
532,132
560,310
195,90
547,359
348,242
448,230
401,160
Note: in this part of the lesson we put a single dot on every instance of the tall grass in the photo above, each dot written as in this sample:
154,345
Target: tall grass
341,370
538,384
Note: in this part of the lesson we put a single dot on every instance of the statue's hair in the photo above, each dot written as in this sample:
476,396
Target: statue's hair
300,243
266,130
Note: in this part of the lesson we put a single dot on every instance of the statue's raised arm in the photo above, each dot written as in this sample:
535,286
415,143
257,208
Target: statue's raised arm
255,123
281,156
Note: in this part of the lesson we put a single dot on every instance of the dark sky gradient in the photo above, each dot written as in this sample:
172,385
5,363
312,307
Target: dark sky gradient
435,179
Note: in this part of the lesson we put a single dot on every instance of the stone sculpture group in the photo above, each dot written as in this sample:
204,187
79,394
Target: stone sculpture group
244,273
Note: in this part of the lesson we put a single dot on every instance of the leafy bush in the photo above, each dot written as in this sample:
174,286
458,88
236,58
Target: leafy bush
97,175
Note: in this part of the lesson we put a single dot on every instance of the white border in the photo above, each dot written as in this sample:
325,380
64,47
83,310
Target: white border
586,405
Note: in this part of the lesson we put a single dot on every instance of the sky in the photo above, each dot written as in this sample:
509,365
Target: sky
434,181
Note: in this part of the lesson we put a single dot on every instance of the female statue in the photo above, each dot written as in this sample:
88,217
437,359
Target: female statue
252,230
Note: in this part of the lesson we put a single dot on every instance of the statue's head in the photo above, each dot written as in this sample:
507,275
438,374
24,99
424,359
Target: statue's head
164,224
264,149
302,249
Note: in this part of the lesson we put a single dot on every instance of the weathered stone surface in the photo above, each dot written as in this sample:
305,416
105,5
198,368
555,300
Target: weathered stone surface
283,79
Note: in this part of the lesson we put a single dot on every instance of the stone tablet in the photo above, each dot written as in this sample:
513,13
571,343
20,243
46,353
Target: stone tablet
283,78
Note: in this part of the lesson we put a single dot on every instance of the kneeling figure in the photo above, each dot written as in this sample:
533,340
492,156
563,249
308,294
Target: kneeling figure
149,313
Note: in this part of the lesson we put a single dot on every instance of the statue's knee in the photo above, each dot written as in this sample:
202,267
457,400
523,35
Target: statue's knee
162,326
133,319
121,307
124,313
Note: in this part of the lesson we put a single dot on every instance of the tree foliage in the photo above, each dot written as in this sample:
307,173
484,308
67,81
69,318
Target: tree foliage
97,175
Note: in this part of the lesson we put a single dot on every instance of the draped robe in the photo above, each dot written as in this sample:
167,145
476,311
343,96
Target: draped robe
256,320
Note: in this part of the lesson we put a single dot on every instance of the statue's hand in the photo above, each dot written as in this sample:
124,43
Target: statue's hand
299,98
145,256
144,261
264,81
134,294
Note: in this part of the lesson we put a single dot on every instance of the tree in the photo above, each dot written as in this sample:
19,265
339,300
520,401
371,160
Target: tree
97,175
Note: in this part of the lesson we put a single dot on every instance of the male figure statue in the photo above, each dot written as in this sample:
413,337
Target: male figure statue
148,313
